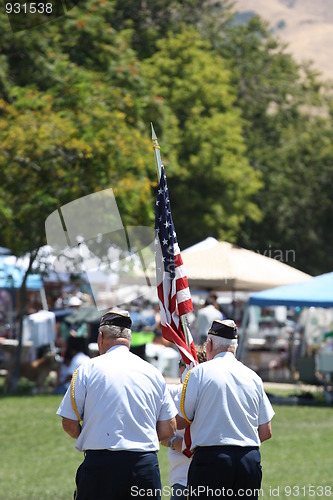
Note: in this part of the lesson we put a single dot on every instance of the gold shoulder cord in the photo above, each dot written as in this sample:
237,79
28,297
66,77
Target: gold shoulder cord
182,401
73,395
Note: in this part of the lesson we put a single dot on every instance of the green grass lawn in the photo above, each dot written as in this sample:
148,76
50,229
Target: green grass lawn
38,460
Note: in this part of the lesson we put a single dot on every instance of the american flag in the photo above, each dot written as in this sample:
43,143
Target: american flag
172,285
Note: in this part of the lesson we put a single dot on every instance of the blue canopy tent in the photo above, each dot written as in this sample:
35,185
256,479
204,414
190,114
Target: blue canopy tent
315,292
12,277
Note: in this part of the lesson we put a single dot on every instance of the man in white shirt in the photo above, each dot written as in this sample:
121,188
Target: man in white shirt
230,414
205,316
125,410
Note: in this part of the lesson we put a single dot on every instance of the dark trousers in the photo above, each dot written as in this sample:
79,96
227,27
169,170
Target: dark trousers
118,475
178,492
225,472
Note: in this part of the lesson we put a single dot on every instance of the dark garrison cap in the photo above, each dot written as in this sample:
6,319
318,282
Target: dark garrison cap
116,317
226,329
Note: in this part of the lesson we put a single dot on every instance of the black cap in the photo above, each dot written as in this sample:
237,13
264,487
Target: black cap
116,317
226,329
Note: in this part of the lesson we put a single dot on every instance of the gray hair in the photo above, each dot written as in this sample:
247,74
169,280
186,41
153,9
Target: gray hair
116,332
222,343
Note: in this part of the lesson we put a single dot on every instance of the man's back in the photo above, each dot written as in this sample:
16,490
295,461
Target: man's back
133,393
123,397
231,394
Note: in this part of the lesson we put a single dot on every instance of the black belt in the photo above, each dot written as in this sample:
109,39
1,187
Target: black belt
107,452
97,452
227,447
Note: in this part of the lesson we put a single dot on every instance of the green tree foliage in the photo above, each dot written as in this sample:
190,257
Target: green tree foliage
69,125
213,178
152,20
75,115
287,131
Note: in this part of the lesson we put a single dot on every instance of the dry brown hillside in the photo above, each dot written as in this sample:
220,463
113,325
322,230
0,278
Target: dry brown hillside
306,25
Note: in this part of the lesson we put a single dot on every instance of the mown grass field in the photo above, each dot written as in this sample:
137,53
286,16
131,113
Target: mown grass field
38,460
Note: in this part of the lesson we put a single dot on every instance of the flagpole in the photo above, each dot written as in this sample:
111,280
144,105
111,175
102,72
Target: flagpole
158,161
157,152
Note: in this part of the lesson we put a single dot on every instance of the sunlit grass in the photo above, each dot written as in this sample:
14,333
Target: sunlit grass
38,460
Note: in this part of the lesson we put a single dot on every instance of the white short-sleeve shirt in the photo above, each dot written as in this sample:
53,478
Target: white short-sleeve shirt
178,462
226,403
120,398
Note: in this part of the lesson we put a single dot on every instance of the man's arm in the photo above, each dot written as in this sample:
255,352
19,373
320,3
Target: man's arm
72,427
166,428
265,432
181,422
177,444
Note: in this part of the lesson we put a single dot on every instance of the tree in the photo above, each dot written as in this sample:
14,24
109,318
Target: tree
71,122
287,126
152,20
210,177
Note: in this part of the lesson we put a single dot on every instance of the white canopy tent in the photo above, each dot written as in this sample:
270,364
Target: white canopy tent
220,265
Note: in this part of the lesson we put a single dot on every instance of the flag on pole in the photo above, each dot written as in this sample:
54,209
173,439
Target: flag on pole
172,285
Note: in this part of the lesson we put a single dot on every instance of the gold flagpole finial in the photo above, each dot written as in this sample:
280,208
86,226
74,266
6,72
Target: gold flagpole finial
157,152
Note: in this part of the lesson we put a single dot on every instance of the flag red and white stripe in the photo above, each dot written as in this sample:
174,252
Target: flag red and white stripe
172,285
